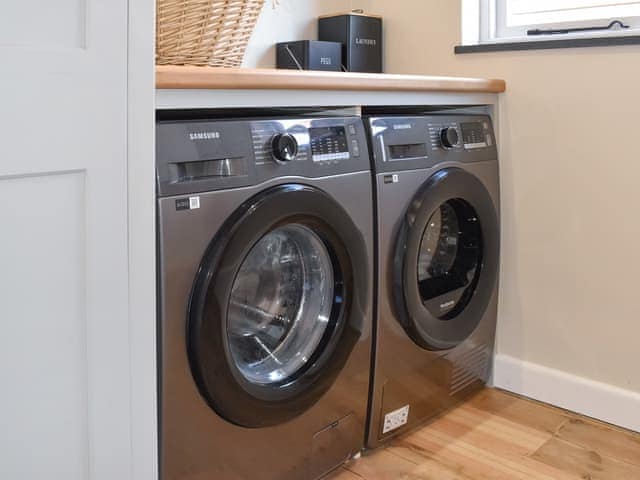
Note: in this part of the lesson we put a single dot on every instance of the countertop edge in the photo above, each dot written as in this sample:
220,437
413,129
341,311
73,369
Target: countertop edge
192,77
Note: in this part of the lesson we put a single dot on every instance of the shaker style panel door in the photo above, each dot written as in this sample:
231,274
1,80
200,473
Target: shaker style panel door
64,330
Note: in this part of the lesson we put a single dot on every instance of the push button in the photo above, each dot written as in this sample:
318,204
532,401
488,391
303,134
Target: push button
355,148
352,129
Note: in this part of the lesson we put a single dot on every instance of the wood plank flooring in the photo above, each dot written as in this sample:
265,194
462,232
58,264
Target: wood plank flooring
497,435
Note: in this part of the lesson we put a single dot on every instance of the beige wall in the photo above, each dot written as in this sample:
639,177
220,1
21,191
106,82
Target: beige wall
570,132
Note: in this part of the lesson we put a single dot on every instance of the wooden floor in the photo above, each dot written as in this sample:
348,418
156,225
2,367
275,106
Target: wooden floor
496,436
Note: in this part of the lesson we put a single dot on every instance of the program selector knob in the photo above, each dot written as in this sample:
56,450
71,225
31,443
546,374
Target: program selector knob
449,137
284,147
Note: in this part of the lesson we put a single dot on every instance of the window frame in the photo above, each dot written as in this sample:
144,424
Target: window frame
484,22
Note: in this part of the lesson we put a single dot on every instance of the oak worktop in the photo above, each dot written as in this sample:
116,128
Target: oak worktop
190,77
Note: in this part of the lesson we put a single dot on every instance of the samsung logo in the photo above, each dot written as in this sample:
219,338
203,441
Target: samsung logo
371,42
402,126
204,136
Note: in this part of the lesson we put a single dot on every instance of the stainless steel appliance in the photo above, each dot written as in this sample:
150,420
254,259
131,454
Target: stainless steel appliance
265,263
437,199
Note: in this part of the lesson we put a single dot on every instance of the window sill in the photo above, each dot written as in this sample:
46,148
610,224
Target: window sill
608,41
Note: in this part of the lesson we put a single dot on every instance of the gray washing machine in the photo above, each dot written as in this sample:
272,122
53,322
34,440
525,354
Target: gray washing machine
437,200
265,298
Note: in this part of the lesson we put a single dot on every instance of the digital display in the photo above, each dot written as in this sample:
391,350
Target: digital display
328,143
403,152
473,133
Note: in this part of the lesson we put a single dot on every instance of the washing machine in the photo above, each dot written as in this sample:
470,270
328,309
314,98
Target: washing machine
265,244
437,202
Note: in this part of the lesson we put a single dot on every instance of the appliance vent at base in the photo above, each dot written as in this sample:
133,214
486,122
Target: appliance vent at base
469,367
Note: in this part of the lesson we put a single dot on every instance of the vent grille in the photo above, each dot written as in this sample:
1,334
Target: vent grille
469,367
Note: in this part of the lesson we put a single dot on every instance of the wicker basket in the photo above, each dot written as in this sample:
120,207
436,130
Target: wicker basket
204,32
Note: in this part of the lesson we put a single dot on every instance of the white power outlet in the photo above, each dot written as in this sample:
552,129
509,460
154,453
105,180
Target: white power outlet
395,419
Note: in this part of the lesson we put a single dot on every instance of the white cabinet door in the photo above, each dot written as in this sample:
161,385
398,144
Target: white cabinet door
64,332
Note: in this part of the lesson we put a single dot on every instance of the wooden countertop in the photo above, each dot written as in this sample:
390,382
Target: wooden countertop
189,77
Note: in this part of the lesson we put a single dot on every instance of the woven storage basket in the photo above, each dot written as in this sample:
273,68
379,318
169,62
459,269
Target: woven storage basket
204,32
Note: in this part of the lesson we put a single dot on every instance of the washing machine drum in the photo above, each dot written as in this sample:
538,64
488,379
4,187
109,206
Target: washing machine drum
446,259
276,306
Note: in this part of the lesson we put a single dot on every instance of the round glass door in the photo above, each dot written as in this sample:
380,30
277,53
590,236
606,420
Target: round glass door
449,259
449,246
274,313
280,305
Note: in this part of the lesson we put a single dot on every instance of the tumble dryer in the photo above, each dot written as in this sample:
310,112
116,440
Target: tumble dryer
265,259
437,200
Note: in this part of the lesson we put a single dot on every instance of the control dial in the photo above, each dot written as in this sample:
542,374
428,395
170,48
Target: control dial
284,147
449,137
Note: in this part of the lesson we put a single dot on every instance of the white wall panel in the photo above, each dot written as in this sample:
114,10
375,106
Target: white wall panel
67,363
43,23
43,332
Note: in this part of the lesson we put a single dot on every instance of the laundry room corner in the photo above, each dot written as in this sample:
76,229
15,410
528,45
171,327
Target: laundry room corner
319,240
566,133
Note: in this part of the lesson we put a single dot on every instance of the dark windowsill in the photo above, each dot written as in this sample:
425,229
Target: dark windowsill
549,44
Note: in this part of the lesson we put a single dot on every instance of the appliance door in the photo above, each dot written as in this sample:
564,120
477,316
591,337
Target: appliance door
271,320
446,259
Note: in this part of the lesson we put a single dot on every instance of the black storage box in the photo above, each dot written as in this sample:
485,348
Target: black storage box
309,55
361,38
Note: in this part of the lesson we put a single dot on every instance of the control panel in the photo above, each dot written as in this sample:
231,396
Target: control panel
321,141
329,144
460,134
407,142
475,135
198,156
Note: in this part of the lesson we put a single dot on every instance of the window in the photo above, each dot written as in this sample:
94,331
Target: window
490,21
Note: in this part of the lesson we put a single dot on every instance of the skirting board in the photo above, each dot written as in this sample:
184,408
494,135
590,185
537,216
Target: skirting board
587,397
